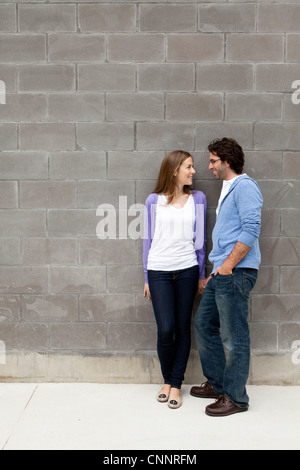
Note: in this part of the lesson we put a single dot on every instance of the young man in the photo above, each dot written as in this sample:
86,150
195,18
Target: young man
221,319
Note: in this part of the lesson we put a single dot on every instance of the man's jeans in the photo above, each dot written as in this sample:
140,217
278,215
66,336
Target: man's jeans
173,294
221,320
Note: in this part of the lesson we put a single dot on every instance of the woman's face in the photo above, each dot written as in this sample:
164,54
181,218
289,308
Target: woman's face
184,175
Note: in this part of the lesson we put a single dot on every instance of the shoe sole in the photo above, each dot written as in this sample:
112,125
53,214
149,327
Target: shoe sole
204,396
241,410
174,407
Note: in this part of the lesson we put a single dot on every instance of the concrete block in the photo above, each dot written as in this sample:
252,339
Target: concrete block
8,194
166,18
277,17
91,193
10,308
276,77
225,77
49,308
227,18
164,136
47,18
293,48
76,48
24,107
144,309
77,165
291,165
76,107
290,222
287,334
195,47
268,280
8,137
134,107
263,165
46,251
8,18
106,252
263,336
255,47
78,336
212,191
107,308
280,251
166,77
143,189
10,253
23,280
131,336
21,223
47,78
276,136
291,111
9,75
107,17
106,77
136,48
28,336
134,165
206,132
270,223
290,279
47,136
253,107
125,279
282,307
265,368
14,165
280,194
72,223
105,136
78,280
22,48
194,107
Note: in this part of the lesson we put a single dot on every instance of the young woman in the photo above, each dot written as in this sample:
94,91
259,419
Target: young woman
174,265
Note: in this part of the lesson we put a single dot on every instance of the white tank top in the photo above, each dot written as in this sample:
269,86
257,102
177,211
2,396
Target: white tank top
172,246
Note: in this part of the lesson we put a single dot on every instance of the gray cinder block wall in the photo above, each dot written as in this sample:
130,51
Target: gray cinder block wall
95,94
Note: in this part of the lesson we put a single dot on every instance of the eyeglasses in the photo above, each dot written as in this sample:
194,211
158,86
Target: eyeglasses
213,162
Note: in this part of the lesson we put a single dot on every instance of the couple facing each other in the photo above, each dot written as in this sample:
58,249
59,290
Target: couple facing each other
174,264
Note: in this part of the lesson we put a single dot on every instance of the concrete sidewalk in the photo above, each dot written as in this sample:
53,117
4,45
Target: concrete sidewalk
127,417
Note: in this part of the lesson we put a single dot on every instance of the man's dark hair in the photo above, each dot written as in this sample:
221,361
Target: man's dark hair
229,151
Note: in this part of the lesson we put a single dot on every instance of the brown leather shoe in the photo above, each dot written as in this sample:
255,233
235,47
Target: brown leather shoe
223,407
204,391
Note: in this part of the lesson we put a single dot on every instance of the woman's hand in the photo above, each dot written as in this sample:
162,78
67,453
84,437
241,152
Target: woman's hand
201,286
147,291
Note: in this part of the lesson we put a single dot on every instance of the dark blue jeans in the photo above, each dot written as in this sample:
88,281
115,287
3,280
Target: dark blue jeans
221,320
172,295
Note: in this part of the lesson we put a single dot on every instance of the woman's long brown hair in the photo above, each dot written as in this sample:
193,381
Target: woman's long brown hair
166,183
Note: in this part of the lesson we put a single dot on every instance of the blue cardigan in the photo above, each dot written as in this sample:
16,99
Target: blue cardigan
239,219
199,229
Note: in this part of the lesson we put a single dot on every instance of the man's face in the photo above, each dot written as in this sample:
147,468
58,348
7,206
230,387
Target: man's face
218,167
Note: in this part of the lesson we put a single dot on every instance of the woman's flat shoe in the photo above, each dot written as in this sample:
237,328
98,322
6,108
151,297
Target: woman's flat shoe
162,397
174,404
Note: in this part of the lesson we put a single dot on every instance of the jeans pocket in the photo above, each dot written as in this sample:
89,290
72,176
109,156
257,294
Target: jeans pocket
249,282
224,283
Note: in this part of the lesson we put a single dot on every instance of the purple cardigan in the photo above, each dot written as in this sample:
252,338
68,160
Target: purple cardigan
199,230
